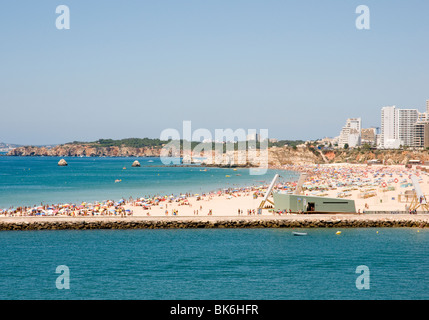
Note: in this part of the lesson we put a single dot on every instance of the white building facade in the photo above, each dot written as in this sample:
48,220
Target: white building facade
407,118
389,127
398,127
351,133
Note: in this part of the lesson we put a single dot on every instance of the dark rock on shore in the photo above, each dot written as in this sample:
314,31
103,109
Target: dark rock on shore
127,223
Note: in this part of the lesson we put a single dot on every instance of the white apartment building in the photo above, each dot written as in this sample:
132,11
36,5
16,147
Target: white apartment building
407,118
398,127
421,129
351,133
389,137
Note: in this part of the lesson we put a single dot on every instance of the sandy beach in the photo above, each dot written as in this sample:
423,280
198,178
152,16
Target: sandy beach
375,189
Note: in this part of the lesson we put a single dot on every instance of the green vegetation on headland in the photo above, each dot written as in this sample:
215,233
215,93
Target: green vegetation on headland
129,142
157,143
282,143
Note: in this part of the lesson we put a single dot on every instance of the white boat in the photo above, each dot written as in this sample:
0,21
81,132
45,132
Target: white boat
299,233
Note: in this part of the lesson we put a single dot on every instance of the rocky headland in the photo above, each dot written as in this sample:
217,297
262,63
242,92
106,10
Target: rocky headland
277,156
73,150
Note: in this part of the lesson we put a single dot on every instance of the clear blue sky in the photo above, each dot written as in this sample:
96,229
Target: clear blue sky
133,68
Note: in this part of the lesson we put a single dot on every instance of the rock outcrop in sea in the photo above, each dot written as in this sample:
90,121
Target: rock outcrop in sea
62,163
136,164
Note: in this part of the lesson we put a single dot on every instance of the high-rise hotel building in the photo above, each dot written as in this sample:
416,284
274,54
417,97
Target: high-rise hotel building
407,119
389,138
404,127
397,127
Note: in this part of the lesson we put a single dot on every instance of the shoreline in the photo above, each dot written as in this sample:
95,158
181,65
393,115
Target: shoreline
382,191
210,222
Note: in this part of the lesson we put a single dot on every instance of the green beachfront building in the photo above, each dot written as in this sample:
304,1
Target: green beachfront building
297,203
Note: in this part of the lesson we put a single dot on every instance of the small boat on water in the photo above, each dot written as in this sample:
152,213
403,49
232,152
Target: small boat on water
299,233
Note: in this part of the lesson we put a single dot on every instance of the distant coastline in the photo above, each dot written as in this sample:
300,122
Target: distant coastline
277,156
73,150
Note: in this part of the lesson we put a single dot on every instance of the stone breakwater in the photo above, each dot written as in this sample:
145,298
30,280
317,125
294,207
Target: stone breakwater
131,223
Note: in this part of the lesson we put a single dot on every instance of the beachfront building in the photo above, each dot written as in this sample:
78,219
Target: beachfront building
350,133
407,118
312,204
403,127
378,140
327,142
389,128
421,129
421,135
368,136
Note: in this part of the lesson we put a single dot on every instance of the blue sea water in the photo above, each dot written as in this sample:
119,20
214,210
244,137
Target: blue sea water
215,264
190,264
33,180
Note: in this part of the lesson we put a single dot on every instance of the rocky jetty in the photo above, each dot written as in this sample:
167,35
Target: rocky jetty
133,223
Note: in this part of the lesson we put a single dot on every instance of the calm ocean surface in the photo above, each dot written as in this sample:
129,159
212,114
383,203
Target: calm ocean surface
189,264
32,180
215,264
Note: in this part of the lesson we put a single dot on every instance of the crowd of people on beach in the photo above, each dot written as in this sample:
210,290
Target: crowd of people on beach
106,208
184,200
320,178
112,208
